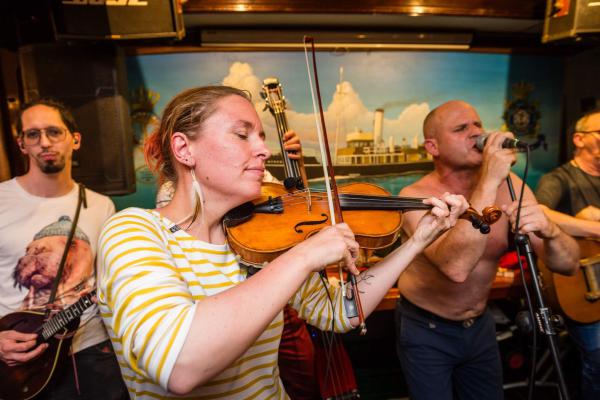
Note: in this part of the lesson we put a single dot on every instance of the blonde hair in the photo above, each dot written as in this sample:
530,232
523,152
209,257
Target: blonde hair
185,113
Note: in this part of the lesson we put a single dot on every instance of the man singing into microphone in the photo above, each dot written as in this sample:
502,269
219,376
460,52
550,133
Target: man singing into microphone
446,339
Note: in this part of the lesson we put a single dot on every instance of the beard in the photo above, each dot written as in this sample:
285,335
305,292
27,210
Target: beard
51,167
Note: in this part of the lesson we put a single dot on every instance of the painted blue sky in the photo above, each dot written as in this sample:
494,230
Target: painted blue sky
406,84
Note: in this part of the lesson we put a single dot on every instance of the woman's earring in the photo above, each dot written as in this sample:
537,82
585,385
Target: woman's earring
197,199
198,196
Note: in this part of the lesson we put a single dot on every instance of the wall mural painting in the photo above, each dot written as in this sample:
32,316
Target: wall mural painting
374,102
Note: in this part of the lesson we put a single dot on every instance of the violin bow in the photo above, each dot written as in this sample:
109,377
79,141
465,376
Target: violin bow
335,208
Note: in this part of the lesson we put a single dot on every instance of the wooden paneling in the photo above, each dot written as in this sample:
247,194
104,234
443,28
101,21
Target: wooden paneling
532,9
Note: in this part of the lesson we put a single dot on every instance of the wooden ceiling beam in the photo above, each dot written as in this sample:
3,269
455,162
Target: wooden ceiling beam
527,9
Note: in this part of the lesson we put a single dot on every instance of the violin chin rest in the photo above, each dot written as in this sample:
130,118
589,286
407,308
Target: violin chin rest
239,214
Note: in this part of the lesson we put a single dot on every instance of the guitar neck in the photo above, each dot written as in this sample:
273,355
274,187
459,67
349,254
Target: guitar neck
64,317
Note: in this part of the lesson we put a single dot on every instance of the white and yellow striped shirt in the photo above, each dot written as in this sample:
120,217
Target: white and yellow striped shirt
149,281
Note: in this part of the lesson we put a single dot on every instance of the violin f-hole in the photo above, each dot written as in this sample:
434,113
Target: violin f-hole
299,224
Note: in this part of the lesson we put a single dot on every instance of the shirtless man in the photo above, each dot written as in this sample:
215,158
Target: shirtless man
446,339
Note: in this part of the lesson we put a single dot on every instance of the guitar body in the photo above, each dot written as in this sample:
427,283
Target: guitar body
27,380
577,296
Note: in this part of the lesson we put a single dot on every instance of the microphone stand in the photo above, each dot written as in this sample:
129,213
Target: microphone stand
541,312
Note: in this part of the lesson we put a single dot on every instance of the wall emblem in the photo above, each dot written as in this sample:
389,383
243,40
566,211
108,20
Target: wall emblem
521,114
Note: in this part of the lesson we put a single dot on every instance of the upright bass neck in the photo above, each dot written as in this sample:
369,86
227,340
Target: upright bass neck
275,102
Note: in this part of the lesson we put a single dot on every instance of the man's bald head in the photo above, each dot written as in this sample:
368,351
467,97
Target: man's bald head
435,118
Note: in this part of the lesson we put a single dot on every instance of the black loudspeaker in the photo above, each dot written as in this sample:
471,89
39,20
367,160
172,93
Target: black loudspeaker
571,19
117,19
92,82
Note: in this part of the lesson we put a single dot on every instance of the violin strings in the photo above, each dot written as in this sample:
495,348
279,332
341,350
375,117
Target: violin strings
351,200
400,204
358,196
366,205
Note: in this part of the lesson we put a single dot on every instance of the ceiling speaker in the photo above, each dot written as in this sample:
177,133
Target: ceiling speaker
571,19
117,19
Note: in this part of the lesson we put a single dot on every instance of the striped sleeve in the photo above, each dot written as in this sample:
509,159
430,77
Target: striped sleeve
147,303
319,304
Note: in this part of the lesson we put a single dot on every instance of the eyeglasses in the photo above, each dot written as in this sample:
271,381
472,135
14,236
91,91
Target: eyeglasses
55,134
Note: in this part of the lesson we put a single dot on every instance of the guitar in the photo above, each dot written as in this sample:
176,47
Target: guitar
577,296
26,380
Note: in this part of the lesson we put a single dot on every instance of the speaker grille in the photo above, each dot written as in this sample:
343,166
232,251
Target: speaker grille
92,81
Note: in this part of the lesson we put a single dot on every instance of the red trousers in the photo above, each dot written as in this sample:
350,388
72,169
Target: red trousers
297,358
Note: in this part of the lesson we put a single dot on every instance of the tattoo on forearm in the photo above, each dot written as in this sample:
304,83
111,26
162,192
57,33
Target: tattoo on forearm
364,277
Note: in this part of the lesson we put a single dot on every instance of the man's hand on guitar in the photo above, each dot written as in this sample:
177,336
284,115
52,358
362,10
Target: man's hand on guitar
17,348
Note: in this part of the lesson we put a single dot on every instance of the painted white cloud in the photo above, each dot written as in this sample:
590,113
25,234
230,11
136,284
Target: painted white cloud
242,76
408,125
344,112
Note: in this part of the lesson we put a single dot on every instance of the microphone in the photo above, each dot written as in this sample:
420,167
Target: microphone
507,144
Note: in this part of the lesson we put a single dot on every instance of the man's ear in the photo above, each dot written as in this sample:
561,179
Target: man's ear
180,146
578,140
76,140
431,147
21,145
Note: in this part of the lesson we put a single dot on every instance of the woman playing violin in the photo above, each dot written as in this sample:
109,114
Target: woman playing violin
182,314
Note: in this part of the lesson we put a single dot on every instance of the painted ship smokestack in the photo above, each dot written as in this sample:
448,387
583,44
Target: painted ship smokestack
378,127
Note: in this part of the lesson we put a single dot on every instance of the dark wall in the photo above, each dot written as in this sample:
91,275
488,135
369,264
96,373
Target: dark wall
582,90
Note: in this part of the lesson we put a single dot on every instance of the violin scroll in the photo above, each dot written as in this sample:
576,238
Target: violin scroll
491,214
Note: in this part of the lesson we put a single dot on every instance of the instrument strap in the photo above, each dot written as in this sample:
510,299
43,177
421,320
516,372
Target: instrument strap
80,200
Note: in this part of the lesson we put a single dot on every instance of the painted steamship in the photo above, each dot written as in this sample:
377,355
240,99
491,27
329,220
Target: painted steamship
366,154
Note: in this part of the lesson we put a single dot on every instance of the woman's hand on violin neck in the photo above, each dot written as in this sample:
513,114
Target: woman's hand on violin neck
330,246
440,218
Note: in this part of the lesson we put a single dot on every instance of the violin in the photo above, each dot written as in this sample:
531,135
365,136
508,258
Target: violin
289,218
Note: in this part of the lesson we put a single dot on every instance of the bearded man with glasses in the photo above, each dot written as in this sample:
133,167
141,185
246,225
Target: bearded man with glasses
571,196
37,210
